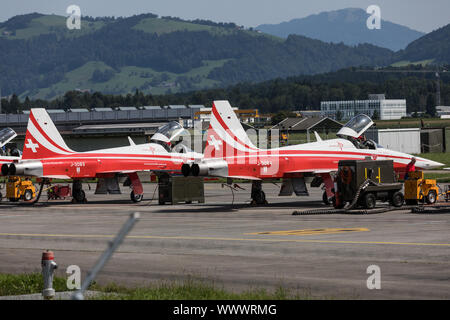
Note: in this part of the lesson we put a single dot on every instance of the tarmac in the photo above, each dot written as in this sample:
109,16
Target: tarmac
235,245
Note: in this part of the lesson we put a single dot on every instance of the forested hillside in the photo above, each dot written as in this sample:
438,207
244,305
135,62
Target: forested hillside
41,58
434,47
295,93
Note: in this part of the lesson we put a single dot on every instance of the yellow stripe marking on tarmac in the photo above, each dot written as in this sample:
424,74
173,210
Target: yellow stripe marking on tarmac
309,232
226,239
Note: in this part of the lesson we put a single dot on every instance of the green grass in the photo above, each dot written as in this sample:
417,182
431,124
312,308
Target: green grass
300,138
194,290
439,177
405,63
161,26
127,79
50,24
190,289
412,123
17,284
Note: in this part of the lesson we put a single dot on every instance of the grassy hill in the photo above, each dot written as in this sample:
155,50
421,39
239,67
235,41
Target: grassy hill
41,58
34,25
434,46
126,79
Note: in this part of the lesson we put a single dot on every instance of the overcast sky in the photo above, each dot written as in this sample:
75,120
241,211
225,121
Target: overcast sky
422,15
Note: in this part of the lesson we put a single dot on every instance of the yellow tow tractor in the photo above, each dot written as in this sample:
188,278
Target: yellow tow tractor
417,188
20,188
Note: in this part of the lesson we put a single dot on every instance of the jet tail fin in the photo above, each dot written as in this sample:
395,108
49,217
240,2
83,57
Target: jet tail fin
225,135
42,139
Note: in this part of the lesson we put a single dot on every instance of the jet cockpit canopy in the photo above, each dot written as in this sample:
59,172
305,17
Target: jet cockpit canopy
170,135
356,126
6,135
169,132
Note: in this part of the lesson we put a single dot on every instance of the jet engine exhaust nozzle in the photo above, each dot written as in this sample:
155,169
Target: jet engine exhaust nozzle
5,169
186,169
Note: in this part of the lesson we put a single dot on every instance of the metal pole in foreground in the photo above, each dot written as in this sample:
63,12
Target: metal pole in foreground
112,246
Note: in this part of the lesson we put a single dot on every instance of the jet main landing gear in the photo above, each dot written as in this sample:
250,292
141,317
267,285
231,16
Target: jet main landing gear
258,195
78,195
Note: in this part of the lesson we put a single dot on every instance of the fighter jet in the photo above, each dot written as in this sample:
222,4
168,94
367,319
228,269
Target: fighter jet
230,153
46,155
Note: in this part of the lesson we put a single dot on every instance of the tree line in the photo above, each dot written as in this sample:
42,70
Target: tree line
296,93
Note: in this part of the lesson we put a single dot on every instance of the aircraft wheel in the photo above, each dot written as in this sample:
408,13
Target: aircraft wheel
431,197
370,200
28,195
79,196
136,197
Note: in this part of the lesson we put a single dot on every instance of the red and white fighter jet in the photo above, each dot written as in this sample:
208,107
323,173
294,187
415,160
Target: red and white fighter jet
230,153
46,155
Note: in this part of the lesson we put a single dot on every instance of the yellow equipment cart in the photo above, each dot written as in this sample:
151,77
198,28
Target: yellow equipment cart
20,188
417,188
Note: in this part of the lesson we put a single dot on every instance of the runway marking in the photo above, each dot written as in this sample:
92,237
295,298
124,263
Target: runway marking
105,236
308,232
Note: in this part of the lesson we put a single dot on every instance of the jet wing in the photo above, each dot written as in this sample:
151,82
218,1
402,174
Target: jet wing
131,171
244,178
325,170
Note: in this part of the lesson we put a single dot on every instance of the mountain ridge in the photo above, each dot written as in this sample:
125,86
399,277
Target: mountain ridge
347,26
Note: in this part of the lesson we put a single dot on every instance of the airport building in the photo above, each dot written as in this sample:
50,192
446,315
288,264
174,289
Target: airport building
108,120
244,115
376,106
443,112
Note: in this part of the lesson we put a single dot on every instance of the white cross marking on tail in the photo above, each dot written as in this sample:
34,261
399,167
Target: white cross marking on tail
32,146
215,143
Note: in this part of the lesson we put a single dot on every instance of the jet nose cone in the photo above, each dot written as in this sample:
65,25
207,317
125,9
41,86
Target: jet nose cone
430,164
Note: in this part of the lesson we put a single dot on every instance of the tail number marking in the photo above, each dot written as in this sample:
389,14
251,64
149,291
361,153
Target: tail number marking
77,164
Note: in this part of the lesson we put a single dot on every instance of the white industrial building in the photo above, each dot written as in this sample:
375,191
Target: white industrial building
443,112
403,140
387,109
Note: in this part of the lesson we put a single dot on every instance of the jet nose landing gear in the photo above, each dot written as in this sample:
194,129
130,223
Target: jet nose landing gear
137,194
136,197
